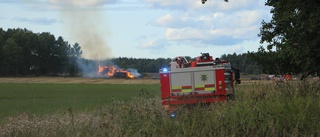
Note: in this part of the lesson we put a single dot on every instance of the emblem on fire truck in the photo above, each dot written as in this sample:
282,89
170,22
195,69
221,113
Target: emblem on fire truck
204,77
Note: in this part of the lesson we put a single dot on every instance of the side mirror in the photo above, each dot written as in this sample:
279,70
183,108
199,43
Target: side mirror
237,75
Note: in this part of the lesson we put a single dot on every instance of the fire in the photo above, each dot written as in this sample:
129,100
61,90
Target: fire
111,71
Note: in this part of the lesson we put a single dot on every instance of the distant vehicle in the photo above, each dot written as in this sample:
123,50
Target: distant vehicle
154,77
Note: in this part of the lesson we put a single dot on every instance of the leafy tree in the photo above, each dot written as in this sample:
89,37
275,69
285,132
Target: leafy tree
269,60
26,40
59,55
242,62
76,54
2,41
44,53
12,56
292,37
23,52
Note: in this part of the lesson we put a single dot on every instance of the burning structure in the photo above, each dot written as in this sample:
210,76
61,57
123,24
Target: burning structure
112,71
104,69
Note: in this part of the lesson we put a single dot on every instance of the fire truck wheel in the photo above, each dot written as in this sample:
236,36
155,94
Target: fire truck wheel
231,97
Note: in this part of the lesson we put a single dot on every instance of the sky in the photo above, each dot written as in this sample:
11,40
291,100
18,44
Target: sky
143,28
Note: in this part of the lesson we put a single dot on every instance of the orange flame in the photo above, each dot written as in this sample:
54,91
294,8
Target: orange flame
111,70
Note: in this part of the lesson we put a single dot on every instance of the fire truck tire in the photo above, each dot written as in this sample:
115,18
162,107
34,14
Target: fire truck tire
231,97
238,81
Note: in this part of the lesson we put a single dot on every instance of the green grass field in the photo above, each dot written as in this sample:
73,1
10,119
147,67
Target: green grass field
44,98
260,109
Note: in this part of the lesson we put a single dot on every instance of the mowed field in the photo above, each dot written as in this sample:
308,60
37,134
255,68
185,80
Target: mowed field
55,106
76,80
47,95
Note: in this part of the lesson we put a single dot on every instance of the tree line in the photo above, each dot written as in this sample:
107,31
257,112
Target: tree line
240,61
23,52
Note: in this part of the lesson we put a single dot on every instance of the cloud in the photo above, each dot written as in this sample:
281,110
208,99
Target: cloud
184,4
177,20
217,23
185,34
40,21
236,49
211,29
172,4
10,1
211,5
155,44
81,3
206,37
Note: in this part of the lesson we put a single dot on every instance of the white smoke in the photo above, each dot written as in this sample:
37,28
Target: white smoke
77,3
134,72
88,68
84,22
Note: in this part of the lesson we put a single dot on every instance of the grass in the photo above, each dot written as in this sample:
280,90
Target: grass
45,98
260,109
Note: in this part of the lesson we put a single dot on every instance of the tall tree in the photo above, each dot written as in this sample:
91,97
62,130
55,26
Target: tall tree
294,34
13,57
26,39
77,50
76,55
2,41
44,52
242,62
59,55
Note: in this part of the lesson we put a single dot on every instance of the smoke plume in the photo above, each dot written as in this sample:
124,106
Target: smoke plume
84,23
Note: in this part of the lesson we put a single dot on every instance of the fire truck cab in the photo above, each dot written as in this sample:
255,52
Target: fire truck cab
202,80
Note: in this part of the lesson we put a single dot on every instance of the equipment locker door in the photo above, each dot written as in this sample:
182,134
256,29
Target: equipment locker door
204,81
181,83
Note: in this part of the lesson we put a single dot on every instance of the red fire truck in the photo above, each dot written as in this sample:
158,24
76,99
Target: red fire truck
202,80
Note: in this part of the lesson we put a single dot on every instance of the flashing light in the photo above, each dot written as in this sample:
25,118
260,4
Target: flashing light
173,115
164,69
